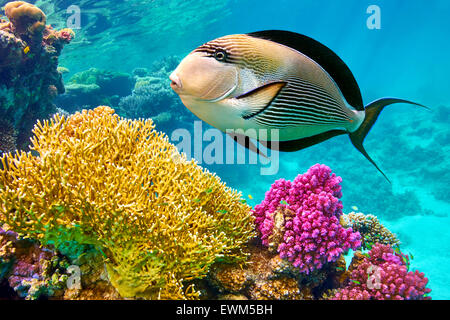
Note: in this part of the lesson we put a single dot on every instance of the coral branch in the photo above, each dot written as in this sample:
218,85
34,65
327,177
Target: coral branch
301,219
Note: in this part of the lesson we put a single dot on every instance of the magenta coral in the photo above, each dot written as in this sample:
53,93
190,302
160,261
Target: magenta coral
312,234
384,276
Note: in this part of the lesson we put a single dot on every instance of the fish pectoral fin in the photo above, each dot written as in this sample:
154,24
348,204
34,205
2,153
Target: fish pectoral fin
257,100
245,141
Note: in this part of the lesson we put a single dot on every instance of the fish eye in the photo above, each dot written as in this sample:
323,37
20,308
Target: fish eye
220,55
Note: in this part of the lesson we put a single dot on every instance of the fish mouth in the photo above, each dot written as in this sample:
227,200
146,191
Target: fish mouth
175,83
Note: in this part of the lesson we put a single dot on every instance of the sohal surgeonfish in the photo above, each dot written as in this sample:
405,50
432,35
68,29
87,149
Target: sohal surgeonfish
276,80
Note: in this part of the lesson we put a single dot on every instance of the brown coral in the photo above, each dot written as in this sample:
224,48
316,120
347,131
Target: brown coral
95,284
280,289
25,18
267,276
228,278
280,217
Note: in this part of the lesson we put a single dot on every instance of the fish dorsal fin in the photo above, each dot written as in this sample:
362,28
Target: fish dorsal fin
322,55
257,100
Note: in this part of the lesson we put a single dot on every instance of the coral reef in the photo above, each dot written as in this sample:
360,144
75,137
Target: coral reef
300,219
99,195
32,271
7,137
157,219
383,274
370,228
268,277
26,19
29,80
153,98
144,94
95,87
35,272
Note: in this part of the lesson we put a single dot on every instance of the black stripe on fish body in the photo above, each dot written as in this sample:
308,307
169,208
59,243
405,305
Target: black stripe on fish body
273,121
297,115
307,86
305,91
295,106
308,104
298,112
322,55
307,100
233,51
301,91
311,106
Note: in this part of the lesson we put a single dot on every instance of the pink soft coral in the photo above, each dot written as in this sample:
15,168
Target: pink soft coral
384,276
311,234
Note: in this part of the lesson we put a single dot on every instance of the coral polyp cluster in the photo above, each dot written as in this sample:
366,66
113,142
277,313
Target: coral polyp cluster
32,271
268,277
371,229
300,219
158,219
383,275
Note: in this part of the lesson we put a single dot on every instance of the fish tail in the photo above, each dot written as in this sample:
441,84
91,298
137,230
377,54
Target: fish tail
372,112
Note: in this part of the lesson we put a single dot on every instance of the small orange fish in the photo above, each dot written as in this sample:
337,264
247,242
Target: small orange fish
26,49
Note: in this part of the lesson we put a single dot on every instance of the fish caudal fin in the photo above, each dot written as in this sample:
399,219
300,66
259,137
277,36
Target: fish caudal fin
371,114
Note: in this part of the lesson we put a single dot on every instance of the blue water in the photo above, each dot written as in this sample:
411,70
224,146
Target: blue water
407,58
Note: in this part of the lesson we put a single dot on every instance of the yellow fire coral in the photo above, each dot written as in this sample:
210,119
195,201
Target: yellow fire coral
120,185
25,17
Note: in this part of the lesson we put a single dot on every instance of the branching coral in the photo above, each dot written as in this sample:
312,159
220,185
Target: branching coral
301,219
384,275
121,186
370,228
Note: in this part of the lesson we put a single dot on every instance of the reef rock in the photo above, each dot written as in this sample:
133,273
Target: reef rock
29,79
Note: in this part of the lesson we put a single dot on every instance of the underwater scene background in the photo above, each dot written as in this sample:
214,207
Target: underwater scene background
124,51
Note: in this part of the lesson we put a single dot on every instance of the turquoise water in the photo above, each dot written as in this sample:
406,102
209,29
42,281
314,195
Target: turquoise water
407,58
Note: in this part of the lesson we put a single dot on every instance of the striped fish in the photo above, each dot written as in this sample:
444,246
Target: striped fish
276,80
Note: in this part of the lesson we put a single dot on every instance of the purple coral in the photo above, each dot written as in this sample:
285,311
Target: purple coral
383,275
31,270
311,233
